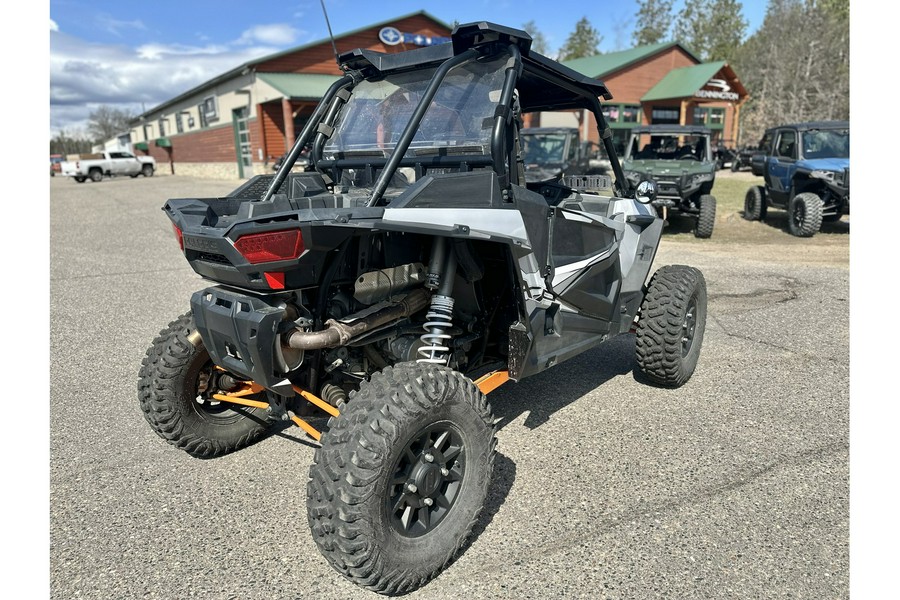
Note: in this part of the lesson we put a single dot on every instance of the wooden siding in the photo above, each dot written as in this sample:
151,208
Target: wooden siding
320,58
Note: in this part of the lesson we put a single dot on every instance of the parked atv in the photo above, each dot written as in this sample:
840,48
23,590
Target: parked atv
807,173
553,152
407,274
679,159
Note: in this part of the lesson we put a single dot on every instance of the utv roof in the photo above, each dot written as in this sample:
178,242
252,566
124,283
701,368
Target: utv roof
528,130
544,83
679,129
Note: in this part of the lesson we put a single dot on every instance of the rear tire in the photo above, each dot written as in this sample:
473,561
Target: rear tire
671,325
735,165
175,375
707,218
411,423
755,203
96,175
80,179
804,214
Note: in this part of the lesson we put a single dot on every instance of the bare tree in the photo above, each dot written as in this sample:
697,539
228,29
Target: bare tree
796,66
106,122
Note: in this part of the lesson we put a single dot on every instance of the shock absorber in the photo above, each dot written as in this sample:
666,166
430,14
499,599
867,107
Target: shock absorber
439,318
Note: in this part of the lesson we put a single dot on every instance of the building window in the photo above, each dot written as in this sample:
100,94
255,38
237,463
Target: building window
631,113
666,116
701,116
162,128
201,110
179,125
717,116
148,132
611,113
209,109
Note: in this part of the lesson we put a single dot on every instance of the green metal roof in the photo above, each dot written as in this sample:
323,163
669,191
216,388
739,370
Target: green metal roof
299,86
683,82
603,64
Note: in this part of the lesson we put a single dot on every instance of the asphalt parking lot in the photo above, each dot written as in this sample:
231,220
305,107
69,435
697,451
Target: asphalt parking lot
733,486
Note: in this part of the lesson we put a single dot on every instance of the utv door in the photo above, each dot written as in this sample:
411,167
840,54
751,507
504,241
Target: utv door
584,262
779,167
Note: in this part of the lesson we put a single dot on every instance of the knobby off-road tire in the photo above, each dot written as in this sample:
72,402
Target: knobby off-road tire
408,424
735,165
804,214
171,378
755,203
671,325
706,220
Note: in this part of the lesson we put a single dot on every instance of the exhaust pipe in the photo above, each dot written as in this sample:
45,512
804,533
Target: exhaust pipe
338,333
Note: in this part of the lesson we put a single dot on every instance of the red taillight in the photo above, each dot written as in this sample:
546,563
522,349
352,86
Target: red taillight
178,236
271,246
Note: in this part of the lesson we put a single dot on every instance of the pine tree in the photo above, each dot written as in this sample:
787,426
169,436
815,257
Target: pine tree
538,39
654,19
584,41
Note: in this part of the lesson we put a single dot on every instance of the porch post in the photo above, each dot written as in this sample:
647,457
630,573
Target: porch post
288,114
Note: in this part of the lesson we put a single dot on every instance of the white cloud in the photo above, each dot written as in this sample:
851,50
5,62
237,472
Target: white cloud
53,25
277,34
115,26
85,75
154,51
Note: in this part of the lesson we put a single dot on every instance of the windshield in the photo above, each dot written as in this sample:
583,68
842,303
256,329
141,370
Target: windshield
826,143
668,146
459,119
542,149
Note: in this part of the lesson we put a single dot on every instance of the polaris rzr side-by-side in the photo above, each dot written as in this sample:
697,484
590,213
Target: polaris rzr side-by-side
408,272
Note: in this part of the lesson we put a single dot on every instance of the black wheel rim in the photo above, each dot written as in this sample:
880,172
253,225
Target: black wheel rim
426,480
202,386
688,327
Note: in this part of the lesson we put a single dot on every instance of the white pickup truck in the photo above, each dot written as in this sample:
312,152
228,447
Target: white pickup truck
109,164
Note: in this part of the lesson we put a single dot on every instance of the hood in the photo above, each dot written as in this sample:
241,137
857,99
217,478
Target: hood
668,167
824,164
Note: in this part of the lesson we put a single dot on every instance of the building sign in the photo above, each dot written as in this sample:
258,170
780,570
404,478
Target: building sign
392,36
721,91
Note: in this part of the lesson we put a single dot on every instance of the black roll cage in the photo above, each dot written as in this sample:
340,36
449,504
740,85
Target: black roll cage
469,42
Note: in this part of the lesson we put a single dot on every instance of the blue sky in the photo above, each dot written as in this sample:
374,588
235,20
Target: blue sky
139,54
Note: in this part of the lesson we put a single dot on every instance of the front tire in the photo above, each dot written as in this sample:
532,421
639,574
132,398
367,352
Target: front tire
706,220
401,477
804,214
176,381
755,203
671,325
147,170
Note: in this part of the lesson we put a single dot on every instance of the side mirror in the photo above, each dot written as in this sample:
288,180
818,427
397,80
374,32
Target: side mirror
646,191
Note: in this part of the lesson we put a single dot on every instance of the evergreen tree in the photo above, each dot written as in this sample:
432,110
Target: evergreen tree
654,19
711,29
584,41
538,39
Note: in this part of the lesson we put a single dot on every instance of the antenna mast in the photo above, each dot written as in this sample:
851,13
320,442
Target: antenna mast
331,35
